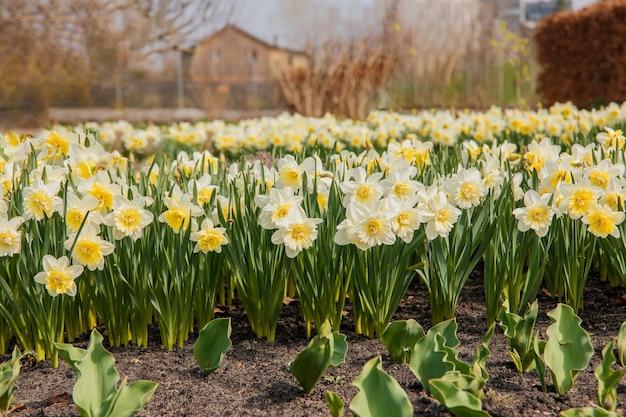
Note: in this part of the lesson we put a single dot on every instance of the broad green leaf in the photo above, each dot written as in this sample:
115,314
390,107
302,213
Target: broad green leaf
519,332
96,378
460,403
335,405
400,337
213,342
70,353
621,344
482,353
310,364
132,398
589,412
568,348
340,348
427,361
379,394
9,372
608,379
96,393
540,366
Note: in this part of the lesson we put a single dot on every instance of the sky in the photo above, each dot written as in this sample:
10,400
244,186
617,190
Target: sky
293,23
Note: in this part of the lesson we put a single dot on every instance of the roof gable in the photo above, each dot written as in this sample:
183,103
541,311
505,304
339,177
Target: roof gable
240,32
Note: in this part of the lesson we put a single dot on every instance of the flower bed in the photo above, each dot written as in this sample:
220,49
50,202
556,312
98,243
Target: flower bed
124,227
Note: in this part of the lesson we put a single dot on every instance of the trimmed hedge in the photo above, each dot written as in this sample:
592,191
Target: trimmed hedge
583,55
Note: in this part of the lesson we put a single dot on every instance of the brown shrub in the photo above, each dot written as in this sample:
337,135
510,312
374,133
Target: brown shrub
583,55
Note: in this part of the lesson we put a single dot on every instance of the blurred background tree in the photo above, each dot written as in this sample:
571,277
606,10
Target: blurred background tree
69,52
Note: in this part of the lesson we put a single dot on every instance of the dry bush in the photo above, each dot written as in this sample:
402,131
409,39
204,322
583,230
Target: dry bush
583,55
339,77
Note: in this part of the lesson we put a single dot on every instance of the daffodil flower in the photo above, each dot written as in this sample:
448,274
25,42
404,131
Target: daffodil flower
537,213
58,275
296,231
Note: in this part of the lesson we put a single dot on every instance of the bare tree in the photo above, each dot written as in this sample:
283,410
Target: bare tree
54,50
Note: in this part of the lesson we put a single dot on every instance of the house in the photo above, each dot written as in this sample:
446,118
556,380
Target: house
526,13
232,69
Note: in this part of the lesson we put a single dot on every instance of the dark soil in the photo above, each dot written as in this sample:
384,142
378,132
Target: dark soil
254,379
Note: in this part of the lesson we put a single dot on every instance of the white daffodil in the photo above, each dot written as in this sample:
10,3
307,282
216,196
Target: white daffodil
363,189
577,198
100,187
296,231
10,237
40,200
128,218
58,275
405,218
602,220
466,188
89,249
438,215
76,209
209,238
537,213
276,205
179,212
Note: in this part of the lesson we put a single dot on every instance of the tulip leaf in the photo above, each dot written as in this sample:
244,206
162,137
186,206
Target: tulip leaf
621,344
568,348
608,379
589,412
461,403
9,371
340,348
96,393
132,398
539,347
96,377
428,360
70,353
400,337
335,404
380,395
310,364
213,342
519,332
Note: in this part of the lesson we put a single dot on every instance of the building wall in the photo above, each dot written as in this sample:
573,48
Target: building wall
230,56
233,70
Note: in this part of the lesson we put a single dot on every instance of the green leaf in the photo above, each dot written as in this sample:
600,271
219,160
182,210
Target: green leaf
608,379
460,403
70,353
9,372
589,412
95,392
482,353
335,404
568,348
428,361
540,366
519,333
96,378
400,337
379,394
310,364
133,398
340,348
621,344
213,342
